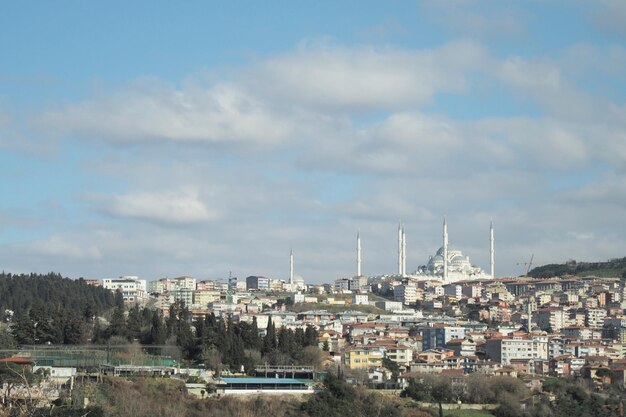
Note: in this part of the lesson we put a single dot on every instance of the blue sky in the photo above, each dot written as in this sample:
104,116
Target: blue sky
160,139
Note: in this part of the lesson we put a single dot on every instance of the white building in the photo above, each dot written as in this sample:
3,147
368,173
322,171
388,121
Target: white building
594,317
551,318
405,293
132,288
505,349
184,295
360,299
185,282
159,286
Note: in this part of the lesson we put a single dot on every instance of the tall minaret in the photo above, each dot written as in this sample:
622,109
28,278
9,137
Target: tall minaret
291,269
491,252
445,251
403,252
400,232
358,254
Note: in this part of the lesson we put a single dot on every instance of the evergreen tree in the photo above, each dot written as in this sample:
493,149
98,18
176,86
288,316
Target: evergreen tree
73,331
269,341
118,322
134,322
158,331
23,330
310,336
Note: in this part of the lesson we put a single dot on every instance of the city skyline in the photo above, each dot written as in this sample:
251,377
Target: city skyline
199,139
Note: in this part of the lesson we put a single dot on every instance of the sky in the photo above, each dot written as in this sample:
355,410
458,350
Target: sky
162,139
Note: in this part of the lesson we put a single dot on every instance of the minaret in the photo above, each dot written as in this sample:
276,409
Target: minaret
491,252
400,248
445,251
358,254
291,269
403,252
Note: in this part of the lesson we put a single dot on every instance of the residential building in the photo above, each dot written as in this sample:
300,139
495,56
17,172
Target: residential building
132,288
257,283
438,336
405,293
503,349
363,357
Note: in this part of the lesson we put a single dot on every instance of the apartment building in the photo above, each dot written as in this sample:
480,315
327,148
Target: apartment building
438,336
594,317
132,288
551,318
405,293
363,357
503,349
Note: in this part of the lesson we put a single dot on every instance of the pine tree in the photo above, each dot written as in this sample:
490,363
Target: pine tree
134,322
158,332
118,322
23,330
310,336
269,341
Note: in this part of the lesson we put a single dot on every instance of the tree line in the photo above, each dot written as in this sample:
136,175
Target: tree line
565,399
617,268
52,292
49,309
218,342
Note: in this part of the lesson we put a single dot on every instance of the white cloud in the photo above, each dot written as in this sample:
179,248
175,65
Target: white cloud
221,114
64,247
167,208
334,78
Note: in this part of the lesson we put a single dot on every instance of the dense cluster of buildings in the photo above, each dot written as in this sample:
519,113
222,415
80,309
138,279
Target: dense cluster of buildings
559,327
447,316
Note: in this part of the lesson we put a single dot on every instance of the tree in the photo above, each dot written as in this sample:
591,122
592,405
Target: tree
442,392
418,390
23,330
158,332
6,339
12,376
339,399
310,336
133,323
74,331
118,322
269,341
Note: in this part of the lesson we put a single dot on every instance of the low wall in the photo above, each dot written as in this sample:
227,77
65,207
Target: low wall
460,406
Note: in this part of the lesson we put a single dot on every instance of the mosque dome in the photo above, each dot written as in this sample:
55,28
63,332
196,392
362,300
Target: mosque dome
459,265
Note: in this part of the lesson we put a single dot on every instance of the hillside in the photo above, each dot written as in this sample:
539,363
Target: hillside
613,268
51,292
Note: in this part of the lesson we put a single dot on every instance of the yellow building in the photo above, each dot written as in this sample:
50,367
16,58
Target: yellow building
204,297
363,357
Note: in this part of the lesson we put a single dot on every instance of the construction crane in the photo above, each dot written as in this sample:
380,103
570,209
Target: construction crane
527,265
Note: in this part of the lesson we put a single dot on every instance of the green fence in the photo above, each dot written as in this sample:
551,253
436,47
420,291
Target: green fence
94,356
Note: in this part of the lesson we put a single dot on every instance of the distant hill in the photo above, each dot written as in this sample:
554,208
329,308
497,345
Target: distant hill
613,268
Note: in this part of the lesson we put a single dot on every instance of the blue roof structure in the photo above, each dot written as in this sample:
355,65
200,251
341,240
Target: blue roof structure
280,381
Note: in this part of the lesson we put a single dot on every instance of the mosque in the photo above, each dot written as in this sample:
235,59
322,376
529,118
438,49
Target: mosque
459,267
448,265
